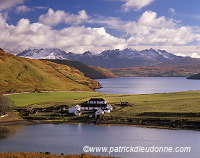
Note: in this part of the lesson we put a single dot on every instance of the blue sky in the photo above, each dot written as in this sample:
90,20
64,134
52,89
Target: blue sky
97,25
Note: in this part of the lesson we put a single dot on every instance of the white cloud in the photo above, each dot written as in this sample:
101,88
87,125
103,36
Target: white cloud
135,4
76,19
6,4
53,18
23,9
191,50
37,35
149,18
2,20
150,29
109,22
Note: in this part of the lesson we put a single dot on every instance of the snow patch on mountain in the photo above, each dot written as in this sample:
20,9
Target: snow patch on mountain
48,53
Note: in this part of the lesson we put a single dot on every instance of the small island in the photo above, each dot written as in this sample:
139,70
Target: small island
194,77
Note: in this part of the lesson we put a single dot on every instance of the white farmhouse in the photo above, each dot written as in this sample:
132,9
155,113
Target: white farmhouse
74,109
91,105
94,104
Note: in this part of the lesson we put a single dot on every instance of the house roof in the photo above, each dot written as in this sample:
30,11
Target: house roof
93,105
96,99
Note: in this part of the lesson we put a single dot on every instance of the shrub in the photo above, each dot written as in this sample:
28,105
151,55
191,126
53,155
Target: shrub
6,104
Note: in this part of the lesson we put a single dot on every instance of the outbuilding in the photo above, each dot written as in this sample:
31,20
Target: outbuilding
74,109
77,113
124,103
99,113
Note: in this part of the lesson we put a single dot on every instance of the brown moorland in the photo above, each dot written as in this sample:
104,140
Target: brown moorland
21,74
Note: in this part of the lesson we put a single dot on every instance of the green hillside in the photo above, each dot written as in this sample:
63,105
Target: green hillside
19,74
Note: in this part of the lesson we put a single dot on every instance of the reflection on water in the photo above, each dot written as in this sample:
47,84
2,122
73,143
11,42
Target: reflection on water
7,131
4,132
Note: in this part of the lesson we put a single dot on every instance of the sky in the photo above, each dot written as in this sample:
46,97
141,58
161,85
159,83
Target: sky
96,25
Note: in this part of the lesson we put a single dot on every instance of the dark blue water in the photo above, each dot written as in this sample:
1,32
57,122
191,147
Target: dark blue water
70,139
147,85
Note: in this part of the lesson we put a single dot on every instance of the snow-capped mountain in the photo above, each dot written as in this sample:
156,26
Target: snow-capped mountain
108,58
48,53
124,58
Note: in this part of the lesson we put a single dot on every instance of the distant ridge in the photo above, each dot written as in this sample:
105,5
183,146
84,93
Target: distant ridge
183,61
107,59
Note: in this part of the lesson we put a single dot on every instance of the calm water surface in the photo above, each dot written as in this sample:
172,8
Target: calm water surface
70,139
146,85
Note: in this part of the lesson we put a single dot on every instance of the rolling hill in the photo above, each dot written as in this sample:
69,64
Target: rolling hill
92,72
21,74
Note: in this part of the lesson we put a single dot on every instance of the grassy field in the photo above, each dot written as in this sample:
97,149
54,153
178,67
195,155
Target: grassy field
181,105
168,106
49,97
163,102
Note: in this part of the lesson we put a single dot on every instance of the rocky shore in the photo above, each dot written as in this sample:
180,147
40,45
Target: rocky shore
152,123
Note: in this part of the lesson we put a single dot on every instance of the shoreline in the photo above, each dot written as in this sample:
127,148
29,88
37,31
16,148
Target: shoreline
50,155
6,94
101,123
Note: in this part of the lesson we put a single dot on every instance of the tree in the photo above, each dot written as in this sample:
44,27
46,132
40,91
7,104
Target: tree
5,104
1,50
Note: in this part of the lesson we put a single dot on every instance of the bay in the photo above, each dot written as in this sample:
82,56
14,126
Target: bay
147,85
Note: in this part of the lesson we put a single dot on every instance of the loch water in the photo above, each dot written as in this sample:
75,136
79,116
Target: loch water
147,85
71,139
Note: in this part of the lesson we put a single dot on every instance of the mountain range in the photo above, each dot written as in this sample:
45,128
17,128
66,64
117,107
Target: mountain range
108,58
